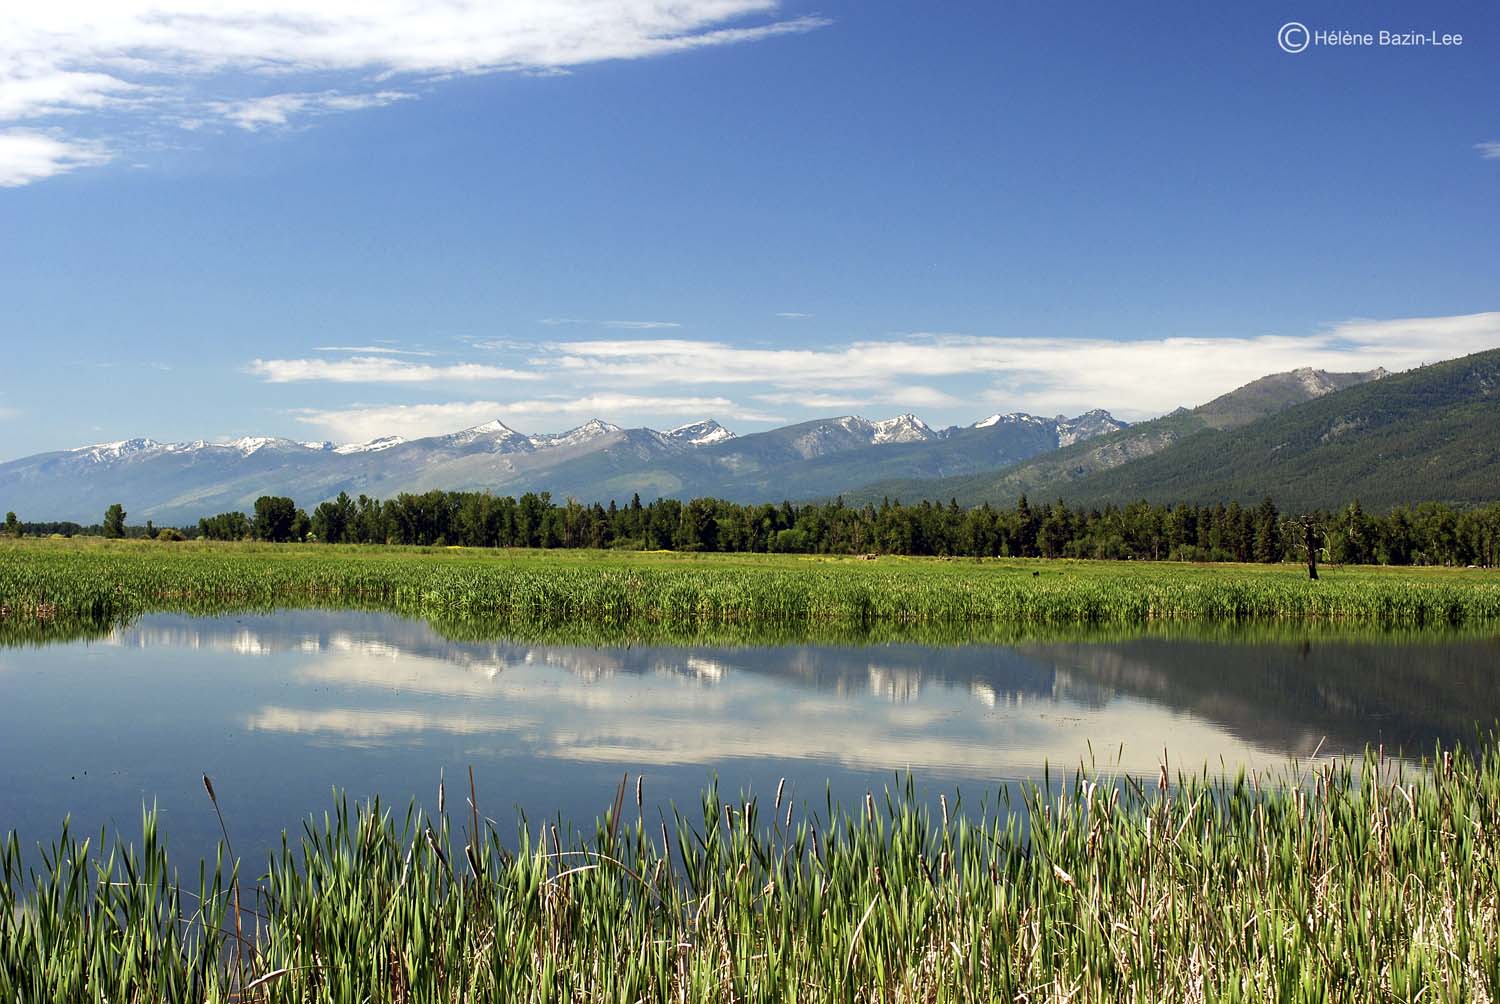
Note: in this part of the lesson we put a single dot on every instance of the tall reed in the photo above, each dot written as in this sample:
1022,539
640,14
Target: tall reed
1346,882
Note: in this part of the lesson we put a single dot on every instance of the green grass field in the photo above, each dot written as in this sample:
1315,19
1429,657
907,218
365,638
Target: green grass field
52,587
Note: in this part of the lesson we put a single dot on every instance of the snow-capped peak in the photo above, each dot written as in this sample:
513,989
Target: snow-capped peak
495,436
702,433
592,429
371,446
493,429
250,444
906,428
1086,426
103,452
1008,418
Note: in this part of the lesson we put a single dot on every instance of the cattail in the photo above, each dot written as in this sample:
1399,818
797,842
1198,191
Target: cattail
869,807
639,781
433,844
209,787
779,788
789,813
442,793
943,802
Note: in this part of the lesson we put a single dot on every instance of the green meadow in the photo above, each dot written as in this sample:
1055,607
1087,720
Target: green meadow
57,586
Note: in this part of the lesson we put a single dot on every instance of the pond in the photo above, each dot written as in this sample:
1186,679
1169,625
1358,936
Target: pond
282,708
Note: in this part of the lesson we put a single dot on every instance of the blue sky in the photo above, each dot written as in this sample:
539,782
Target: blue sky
330,227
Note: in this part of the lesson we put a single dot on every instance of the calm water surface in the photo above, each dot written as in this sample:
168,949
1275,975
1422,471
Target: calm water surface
282,708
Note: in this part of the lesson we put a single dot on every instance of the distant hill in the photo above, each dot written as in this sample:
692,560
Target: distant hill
1429,434
1058,473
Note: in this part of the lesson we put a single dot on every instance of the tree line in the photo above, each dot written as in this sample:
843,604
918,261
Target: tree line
1429,533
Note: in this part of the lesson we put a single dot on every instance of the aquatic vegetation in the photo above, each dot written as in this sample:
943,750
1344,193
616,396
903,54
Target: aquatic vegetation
46,585
1347,882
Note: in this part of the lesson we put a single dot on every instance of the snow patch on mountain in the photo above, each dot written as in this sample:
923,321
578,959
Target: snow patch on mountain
1010,418
501,437
702,433
372,446
102,453
1086,426
592,429
906,428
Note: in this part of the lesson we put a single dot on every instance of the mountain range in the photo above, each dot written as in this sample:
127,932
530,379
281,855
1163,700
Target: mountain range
1309,438
179,482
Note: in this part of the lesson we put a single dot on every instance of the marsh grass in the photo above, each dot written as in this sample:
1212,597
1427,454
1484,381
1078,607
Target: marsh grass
48,588
1342,882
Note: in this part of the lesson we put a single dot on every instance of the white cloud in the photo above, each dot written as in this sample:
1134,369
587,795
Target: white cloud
1047,375
793,315
359,424
191,62
629,325
1489,150
959,377
902,397
378,369
814,402
27,155
378,350
273,110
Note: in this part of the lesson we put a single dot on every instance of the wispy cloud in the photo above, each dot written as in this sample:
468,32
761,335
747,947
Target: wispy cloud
27,155
501,344
1489,150
1143,377
138,65
628,325
361,423
372,350
951,377
793,315
273,110
379,369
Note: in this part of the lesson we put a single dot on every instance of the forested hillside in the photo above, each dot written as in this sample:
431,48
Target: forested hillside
1053,474
1432,433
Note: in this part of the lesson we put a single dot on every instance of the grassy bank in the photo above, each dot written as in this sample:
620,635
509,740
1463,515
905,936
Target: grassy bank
60,583
1352,885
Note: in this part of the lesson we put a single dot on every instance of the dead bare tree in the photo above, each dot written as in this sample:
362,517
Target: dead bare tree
1311,532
